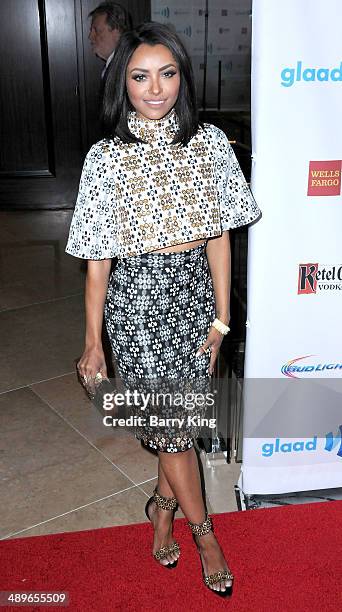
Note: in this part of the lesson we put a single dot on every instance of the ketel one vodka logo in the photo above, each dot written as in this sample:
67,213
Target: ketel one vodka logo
317,278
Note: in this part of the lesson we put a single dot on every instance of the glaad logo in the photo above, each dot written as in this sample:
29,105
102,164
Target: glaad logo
324,178
291,369
269,448
290,75
317,278
331,441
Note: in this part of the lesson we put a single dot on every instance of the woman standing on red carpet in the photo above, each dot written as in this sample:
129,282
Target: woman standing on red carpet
160,193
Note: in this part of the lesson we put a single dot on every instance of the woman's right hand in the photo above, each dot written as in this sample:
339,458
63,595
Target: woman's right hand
91,365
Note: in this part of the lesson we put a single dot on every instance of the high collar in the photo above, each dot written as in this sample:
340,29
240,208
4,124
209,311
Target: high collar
151,130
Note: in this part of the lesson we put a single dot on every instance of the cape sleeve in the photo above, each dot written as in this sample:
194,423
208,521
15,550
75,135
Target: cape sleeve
237,204
92,233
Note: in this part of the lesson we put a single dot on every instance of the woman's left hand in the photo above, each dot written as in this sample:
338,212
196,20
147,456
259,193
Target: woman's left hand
213,341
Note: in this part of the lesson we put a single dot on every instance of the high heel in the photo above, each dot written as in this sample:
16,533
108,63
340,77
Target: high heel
164,503
200,530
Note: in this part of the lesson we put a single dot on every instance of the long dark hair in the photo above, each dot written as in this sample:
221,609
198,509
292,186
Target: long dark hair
116,103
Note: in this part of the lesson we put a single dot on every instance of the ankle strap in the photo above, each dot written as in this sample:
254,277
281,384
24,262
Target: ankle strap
165,503
201,528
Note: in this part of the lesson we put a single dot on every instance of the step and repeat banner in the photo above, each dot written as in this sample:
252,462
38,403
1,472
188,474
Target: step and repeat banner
293,366
228,46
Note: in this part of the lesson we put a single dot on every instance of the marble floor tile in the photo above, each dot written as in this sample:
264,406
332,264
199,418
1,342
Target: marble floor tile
136,462
219,484
67,397
123,508
40,341
52,279
33,264
149,486
47,468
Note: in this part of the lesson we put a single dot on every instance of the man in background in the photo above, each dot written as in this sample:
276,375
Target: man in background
108,21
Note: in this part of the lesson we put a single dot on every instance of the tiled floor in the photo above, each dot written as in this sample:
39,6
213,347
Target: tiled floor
61,468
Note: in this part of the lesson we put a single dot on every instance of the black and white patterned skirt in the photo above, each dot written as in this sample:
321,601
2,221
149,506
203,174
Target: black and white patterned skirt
158,312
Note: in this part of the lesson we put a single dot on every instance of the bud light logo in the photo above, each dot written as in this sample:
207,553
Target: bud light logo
291,75
293,369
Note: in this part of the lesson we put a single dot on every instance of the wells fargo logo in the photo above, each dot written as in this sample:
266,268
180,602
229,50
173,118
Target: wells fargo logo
324,178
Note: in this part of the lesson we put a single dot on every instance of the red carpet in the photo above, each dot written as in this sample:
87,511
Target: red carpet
284,559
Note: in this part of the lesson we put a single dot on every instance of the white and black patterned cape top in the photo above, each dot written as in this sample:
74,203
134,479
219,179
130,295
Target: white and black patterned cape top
140,197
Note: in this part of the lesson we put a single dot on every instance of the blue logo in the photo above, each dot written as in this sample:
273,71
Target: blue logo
288,447
331,442
290,75
291,369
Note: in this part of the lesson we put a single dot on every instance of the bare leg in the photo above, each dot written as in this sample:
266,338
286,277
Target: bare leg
162,519
163,484
183,477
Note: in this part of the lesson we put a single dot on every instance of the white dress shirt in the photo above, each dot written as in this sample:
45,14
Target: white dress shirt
107,64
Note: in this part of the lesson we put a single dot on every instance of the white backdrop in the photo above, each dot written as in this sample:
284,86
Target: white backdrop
293,364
